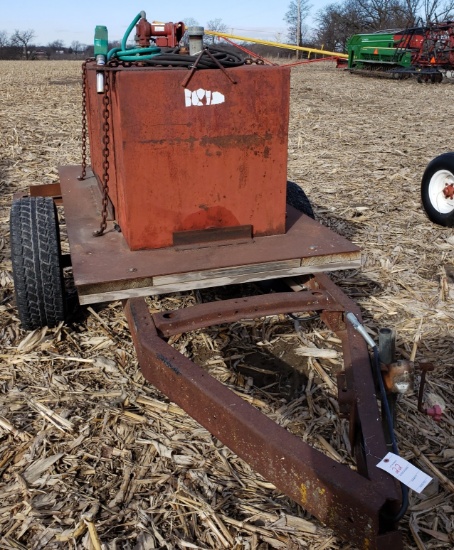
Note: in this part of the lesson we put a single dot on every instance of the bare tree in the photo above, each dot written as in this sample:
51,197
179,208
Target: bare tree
384,14
215,25
56,45
190,22
412,8
437,10
335,24
4,39
23,39
77,47
298,10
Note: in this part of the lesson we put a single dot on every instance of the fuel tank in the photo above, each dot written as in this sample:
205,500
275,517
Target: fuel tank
187,158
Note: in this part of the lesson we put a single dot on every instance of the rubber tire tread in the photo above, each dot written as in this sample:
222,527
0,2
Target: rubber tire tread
442,162
297,198
35,255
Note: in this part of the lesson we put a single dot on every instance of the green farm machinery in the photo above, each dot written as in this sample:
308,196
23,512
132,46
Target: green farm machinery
426,52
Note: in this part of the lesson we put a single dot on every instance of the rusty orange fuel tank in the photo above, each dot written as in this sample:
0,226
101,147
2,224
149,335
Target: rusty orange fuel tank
190,160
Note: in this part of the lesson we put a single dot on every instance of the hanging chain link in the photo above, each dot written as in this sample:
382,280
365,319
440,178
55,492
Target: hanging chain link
105,154
84,121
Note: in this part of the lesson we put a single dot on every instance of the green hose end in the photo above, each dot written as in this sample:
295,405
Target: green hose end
101,40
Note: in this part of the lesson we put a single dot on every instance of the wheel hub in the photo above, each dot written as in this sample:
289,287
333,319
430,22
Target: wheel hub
441,191
448,191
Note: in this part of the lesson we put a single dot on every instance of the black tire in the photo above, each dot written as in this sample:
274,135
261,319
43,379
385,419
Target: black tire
35,255
297,198
436,78
437,187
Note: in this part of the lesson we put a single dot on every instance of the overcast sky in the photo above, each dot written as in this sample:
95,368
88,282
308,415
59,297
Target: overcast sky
75,20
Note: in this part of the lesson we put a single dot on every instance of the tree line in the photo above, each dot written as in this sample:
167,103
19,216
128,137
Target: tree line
334,24
20,45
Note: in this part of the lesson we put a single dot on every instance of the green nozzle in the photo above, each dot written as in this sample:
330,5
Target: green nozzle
101,42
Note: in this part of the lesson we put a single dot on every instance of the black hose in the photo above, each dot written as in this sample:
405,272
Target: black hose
303,319
384,399
298,320
172,58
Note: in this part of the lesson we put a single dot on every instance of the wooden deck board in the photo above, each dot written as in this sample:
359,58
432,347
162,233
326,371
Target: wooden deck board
105,269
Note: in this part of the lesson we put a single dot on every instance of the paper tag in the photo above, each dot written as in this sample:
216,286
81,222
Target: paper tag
405,472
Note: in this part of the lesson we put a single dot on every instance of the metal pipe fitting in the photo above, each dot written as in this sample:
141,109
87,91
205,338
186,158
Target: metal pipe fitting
399,377
195,35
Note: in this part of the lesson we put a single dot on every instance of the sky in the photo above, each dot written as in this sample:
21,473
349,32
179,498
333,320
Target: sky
75,20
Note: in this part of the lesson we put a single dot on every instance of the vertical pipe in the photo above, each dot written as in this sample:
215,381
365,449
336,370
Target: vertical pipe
101,47
387,345
387,354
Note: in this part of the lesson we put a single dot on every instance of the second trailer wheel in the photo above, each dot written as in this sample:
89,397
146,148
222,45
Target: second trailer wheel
36,260
297,198
437,190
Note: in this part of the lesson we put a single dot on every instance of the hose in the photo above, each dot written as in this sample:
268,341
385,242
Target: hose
384,399
174,59
389,419
133,54
298,320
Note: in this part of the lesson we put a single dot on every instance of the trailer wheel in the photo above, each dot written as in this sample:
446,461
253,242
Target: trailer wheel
437,190
297,198
35,255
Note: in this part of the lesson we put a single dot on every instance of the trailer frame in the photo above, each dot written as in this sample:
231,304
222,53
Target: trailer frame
358,505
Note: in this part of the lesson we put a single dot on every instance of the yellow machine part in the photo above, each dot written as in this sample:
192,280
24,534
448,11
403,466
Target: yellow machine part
277,44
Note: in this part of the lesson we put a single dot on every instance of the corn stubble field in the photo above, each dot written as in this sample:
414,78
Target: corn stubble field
91,456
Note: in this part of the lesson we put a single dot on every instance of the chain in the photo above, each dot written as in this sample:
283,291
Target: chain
105,153
84,121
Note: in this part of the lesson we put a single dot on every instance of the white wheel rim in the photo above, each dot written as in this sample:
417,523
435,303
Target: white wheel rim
437,198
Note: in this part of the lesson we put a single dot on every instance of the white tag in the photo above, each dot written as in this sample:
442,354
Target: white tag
405,472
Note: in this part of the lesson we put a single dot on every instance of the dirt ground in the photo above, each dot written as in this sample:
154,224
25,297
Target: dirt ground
91,456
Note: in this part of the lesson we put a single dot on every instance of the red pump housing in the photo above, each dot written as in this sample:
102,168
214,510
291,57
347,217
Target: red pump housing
165,35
